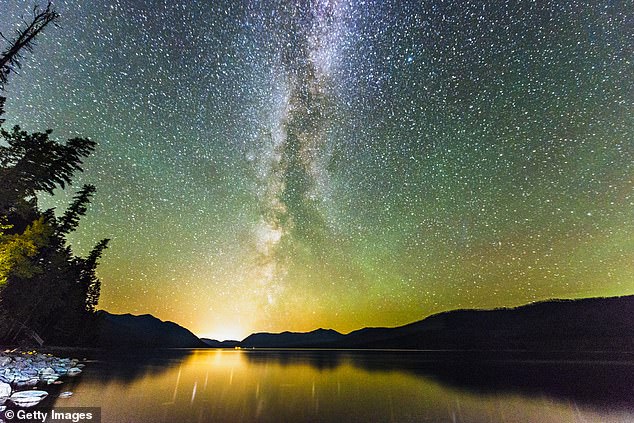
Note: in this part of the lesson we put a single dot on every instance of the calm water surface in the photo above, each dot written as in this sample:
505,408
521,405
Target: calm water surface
350,386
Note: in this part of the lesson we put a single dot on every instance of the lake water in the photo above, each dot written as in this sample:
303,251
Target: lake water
353,386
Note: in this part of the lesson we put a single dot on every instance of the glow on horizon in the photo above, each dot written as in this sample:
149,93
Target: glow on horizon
225,334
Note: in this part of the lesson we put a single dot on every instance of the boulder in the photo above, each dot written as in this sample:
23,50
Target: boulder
73,371
28,398
5,392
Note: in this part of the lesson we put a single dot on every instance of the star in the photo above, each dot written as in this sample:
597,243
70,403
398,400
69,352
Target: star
271,166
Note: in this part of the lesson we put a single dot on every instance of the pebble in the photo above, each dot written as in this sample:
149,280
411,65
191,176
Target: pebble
73,371
27,398
5,390
23,370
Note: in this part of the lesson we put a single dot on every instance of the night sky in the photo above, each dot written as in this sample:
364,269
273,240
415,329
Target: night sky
277,165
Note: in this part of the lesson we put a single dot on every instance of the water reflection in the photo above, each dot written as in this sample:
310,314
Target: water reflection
605,380
231,385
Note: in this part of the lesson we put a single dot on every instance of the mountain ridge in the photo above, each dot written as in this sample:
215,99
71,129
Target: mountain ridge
558,324
144,331
588,324
289,339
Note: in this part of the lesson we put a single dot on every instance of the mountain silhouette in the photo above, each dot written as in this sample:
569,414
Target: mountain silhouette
592,324
314,339
145,331
214,343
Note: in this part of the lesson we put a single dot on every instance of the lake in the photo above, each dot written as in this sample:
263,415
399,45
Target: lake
353,386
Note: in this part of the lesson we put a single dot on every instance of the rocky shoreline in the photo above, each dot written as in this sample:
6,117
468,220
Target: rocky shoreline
22,372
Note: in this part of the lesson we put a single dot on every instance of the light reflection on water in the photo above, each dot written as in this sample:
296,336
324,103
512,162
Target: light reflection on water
239,385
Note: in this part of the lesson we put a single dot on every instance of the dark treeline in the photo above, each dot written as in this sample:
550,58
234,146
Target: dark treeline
46,291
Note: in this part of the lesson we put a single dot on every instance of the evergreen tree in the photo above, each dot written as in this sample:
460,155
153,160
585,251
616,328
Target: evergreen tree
44,287
32,163
24,40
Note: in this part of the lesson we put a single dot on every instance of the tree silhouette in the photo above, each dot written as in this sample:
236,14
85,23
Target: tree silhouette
89,279
44,287
24,41
32,163
75,211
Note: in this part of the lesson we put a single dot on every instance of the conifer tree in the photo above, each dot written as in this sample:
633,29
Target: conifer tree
44,287
24,40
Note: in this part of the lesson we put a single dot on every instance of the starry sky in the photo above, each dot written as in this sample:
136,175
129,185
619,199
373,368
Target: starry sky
288,165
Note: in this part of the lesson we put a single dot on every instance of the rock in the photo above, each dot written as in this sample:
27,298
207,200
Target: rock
8,376
73,371
48,375
26,381
49,378
47,371
21,380
61,370
28,398
30,371
24,370
5,390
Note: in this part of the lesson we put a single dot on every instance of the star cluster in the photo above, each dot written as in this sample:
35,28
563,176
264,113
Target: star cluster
289,165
